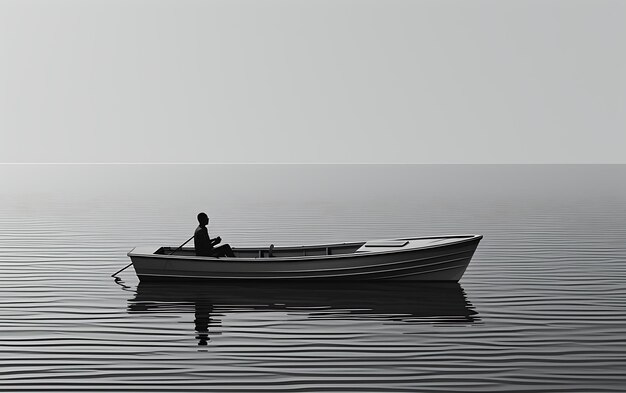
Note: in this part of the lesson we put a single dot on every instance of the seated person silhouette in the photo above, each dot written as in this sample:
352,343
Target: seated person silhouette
204,245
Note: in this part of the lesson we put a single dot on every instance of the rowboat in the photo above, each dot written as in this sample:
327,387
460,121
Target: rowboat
432,258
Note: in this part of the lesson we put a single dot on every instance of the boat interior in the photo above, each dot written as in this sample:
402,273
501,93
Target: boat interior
258,252
329,249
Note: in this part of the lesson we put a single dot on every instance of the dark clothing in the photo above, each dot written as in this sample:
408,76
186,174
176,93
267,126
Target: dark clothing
202,242
204,245
223,251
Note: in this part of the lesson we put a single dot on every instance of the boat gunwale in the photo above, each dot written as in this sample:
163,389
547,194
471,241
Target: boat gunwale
303,258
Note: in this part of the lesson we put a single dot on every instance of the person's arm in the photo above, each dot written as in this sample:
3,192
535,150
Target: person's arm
216,240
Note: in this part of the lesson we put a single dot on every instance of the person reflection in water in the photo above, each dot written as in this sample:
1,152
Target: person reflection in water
202,321
204,245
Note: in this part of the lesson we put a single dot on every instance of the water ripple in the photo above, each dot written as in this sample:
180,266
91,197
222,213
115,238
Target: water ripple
540,309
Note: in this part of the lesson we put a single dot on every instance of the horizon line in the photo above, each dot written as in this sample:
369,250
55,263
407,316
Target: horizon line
310,163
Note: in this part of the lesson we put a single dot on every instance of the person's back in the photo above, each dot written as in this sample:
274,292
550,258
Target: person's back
202,242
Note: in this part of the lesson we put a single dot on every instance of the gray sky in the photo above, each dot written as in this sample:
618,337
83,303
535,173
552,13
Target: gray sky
313,81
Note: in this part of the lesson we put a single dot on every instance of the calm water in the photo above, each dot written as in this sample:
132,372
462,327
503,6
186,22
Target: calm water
542,306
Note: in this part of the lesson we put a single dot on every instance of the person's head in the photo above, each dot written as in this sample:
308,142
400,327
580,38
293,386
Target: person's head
203,219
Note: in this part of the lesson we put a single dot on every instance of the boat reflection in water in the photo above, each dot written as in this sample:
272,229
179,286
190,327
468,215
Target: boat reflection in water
426,303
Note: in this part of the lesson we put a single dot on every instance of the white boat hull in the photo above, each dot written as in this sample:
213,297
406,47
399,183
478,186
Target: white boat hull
442,258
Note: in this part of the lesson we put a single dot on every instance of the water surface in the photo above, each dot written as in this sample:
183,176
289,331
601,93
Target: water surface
542,306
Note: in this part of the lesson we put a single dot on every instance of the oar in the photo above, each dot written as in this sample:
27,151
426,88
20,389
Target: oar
121,270
127,266
181,246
